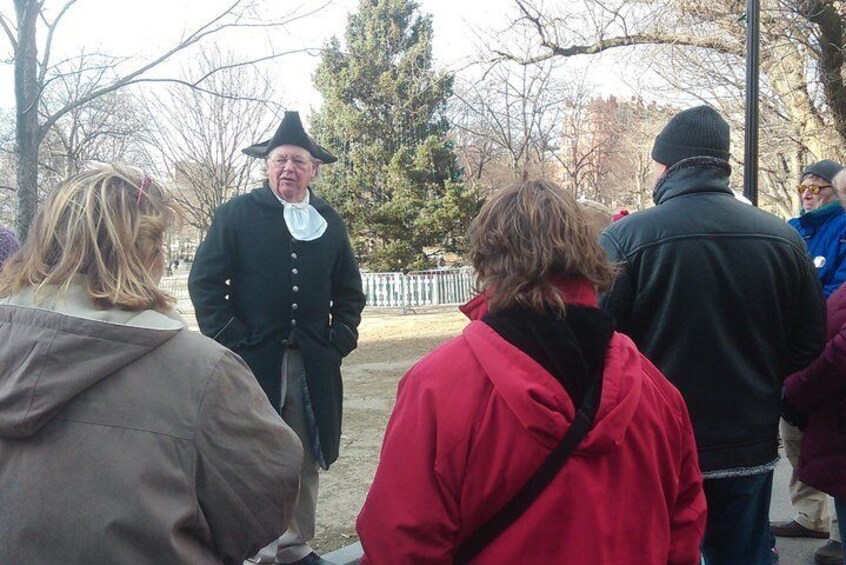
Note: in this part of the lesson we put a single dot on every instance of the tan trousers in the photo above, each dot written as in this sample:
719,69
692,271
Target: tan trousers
813,508
293,544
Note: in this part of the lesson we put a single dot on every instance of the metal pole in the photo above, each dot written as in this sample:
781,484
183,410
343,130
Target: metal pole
750,157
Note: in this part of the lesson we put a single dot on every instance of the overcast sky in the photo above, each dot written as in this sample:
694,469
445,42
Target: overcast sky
142,29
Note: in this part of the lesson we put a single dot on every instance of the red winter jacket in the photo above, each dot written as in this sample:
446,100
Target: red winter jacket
474,420
820,391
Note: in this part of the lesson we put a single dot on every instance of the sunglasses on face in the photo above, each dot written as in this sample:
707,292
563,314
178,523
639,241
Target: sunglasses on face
814,189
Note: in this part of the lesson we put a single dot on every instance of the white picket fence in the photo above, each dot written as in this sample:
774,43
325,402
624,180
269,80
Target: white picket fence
177,286
418,288
383,290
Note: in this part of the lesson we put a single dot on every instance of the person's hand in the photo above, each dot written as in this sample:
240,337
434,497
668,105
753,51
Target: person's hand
790,415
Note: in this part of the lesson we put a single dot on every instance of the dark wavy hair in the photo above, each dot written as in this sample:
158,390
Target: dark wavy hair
527,238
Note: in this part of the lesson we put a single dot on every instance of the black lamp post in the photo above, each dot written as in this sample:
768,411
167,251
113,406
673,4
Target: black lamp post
750,160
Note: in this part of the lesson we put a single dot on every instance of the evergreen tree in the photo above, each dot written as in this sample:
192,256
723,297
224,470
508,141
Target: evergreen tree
397,182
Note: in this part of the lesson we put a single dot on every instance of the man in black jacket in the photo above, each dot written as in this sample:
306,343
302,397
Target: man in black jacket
723,298
276,281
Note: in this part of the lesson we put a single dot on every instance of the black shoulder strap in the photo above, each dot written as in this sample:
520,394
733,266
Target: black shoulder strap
524,498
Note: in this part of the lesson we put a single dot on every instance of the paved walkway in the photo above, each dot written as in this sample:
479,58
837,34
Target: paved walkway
792,551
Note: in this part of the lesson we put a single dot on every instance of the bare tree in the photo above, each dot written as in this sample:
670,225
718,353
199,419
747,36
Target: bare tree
588,136
35,73
518,121
106,129
7,178
197,135
508,123
804,104
623,166
606,145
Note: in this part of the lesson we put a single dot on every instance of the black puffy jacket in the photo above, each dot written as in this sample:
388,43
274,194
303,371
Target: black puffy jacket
723,298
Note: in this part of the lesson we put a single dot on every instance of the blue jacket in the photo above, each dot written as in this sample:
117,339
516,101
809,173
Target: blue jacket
824,232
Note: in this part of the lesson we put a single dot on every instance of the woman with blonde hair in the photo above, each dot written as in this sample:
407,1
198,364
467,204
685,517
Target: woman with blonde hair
125,437
487,457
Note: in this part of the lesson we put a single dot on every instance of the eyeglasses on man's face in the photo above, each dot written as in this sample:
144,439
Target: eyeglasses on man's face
813,188
297,161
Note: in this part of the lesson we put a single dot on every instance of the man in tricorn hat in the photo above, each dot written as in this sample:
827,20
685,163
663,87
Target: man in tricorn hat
276,281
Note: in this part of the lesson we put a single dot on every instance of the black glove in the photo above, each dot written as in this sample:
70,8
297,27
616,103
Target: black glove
791,415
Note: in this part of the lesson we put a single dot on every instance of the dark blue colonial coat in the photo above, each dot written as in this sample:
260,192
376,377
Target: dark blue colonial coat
255,288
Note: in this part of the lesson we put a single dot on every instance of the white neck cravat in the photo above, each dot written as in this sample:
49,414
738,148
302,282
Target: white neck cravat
303,221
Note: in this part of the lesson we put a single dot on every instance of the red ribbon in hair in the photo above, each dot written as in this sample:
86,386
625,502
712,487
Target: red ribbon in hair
142,186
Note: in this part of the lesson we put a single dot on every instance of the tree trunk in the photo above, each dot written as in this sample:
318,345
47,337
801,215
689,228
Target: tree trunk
27,132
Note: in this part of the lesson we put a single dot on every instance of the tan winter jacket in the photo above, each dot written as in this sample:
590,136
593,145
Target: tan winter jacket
127,438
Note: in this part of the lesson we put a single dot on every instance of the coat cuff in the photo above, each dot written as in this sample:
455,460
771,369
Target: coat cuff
343,338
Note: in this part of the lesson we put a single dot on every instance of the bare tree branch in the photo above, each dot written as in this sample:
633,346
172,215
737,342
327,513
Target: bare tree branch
197,133
213,26
624,41
699,56
230,66
46,94
51,29
831,59
7,27
69,75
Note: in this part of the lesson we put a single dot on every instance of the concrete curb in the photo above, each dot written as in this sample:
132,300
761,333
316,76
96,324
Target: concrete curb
348,555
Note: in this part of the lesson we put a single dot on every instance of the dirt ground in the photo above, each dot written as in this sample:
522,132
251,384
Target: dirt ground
389,344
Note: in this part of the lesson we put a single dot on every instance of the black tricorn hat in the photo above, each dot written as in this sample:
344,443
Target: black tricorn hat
290,132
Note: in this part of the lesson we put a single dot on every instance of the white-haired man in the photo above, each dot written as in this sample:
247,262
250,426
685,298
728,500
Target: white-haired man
276,281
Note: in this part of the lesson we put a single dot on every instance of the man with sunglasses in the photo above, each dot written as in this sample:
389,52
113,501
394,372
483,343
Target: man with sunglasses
276,281
822,224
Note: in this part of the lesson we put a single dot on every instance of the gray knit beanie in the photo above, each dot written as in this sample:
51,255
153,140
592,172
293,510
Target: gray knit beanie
8,244
825,169
696,132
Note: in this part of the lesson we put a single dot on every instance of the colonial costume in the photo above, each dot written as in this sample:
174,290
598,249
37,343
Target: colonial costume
277,282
